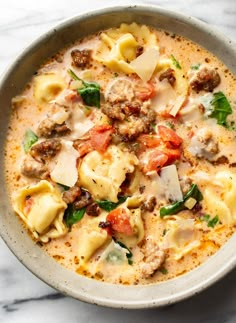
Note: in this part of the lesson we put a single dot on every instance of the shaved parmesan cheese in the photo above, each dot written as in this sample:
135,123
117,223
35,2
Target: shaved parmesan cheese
145,64
170,180
65,171
60,116
80,124
179,102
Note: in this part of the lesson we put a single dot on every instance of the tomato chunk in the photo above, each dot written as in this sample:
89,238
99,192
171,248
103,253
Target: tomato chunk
145,92
101,137
120,222
84,148
150,141
172,154
28,204
157,160
169,135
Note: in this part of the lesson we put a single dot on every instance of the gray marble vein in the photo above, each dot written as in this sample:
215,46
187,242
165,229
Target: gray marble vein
23,297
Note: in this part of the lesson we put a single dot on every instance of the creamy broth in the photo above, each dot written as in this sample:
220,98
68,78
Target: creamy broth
121,154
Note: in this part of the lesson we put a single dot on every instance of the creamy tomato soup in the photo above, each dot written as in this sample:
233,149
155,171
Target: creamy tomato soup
121,154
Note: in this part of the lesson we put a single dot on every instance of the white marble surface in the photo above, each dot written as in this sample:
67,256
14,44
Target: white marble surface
23,297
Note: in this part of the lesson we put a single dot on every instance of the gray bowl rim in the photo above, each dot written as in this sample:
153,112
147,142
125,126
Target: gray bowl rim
148,293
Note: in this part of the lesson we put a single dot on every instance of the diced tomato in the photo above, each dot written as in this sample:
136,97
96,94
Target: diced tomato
28,205
169,135
145,92
72,96
190,134
157,159
150,141
101,137
84,148
120,222
173,154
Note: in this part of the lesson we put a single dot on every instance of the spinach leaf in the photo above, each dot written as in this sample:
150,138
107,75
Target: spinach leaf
72,216
175,62
90,92
220,108
109,206
30,138
179,206
129,255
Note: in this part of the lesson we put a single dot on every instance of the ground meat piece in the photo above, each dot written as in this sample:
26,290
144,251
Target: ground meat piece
222,160
45,149
131,108
120,90
71,195
204,145
169,75
113,111
48,128
93,209
206,79
33,168
81,58
134,126
150,204
139,50
153,257
83,200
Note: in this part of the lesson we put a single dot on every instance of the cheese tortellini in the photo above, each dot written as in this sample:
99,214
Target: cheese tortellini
90,239
220,197
41,208
119,47
181,236
102,175
47,87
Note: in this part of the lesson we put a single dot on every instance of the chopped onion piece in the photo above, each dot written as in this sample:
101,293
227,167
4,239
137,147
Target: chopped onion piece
190,203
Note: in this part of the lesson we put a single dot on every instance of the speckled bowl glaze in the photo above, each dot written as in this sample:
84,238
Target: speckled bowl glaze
11,230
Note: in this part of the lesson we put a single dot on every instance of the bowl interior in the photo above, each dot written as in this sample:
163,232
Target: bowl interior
11,230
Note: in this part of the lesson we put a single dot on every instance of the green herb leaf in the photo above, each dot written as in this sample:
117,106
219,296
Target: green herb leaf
129,255
30,138
212,223
205,218
109,206
220,108
175,62
195,67
64,187
179,206
72,216
170,125
90,92
163,270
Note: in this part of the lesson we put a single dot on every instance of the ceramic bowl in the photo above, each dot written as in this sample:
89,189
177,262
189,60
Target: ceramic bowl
37,261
